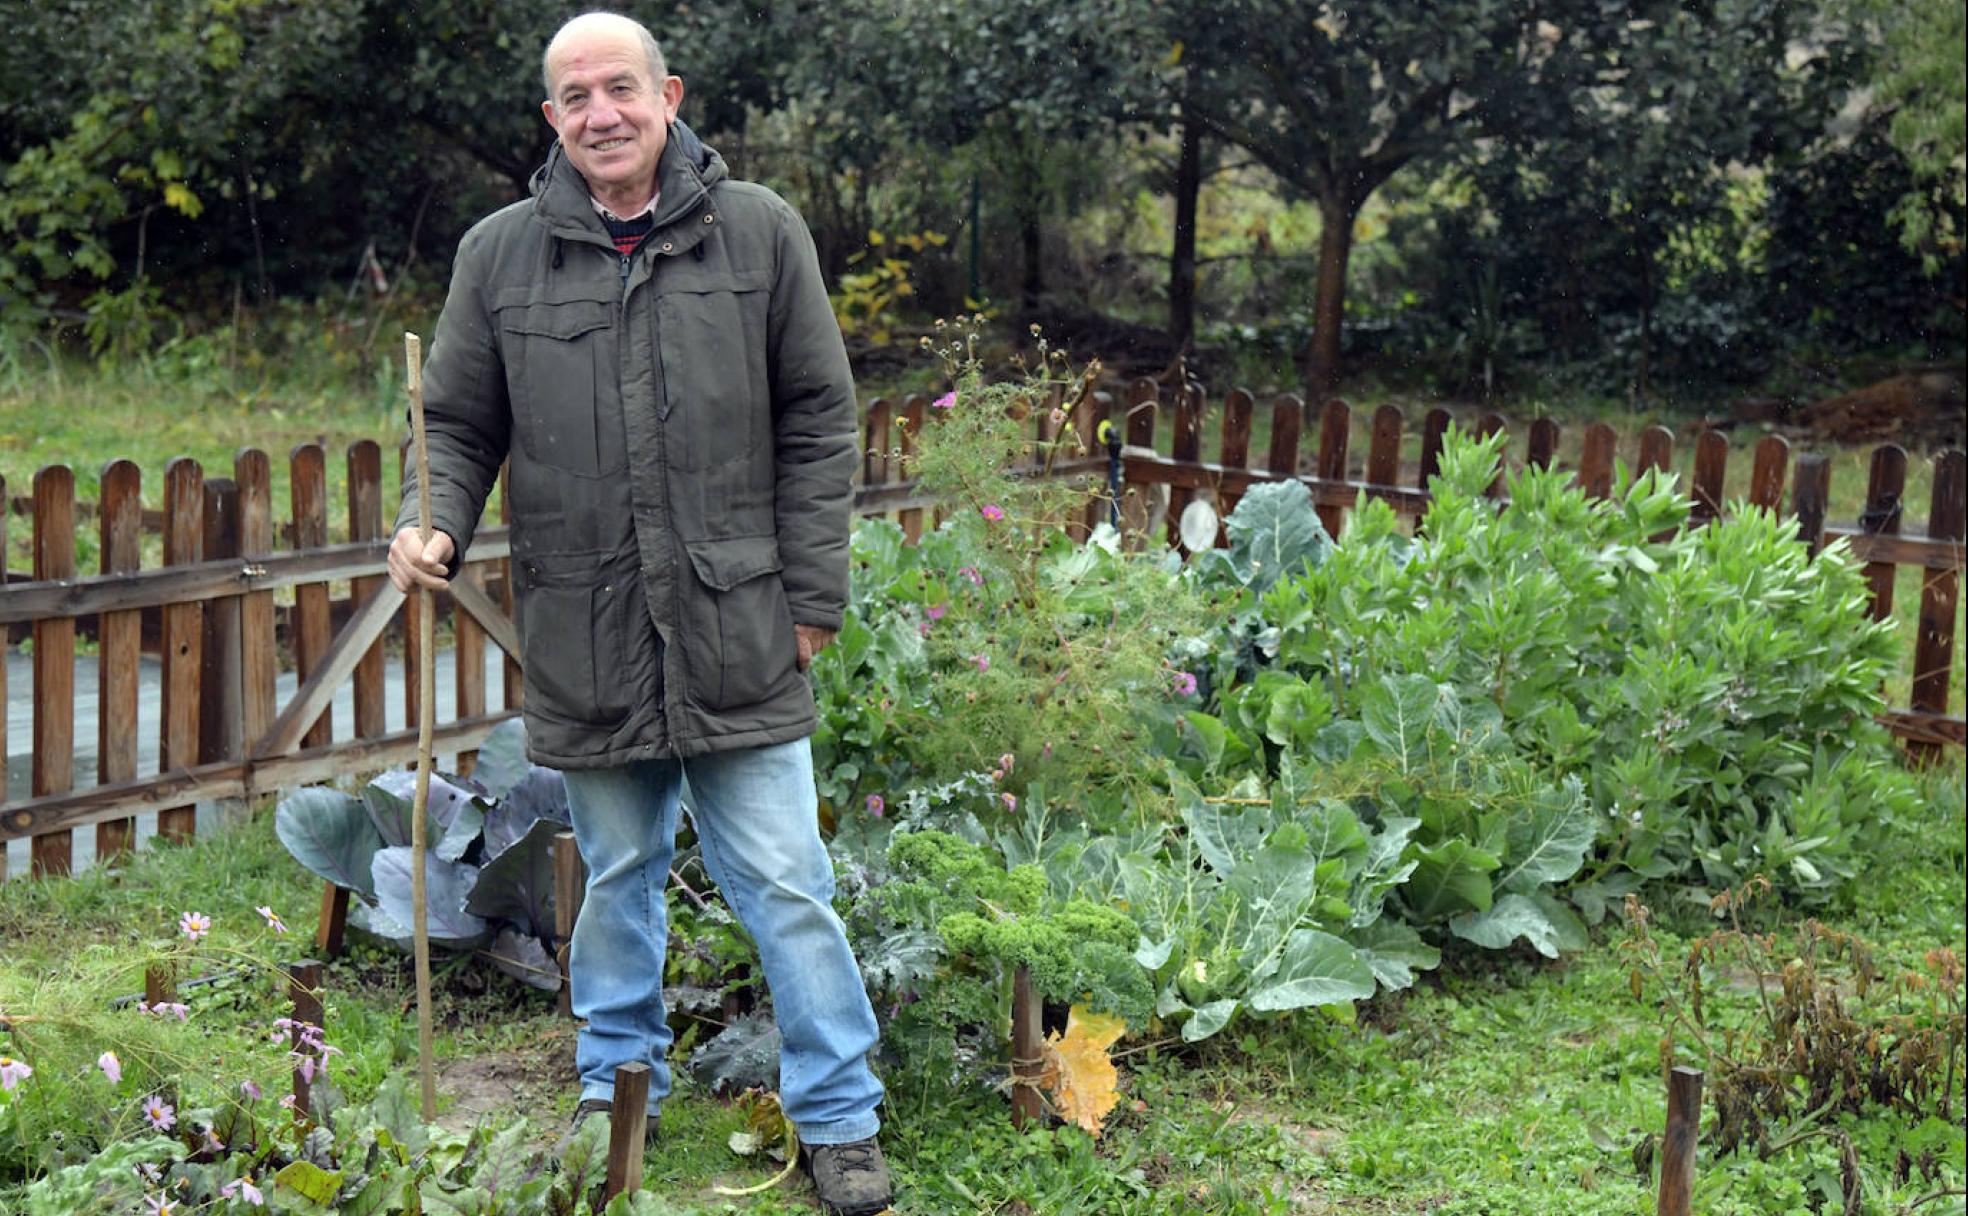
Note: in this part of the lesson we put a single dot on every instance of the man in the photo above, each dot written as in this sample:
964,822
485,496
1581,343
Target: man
651,344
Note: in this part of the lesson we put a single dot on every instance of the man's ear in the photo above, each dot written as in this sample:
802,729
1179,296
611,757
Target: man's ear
672,94
546,108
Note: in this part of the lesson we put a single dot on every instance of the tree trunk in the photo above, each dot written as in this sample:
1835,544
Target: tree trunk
1182,257
1030,232
1329,303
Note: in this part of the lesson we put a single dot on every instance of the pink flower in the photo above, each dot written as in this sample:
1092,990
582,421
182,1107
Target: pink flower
194,925
157,1205
1010,801
946,401
161,1114
876,806
242,1187
983,662
972,573
936,611
13,1072
922,627
165,1009
1005,762
272,919
251,1090
111,1067
1058,416
992,511
1185,684
287,1101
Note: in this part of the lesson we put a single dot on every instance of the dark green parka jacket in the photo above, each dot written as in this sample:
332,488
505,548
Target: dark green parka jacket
681,428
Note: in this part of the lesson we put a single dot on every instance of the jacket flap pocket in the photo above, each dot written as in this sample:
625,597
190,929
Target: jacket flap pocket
563,319
723,564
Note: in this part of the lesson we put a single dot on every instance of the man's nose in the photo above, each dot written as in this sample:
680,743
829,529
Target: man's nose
602,113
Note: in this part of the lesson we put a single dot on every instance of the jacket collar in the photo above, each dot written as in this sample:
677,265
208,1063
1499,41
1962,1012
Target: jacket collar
685,213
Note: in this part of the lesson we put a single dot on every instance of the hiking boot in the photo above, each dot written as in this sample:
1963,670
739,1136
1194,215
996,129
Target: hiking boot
590,1107
852,1179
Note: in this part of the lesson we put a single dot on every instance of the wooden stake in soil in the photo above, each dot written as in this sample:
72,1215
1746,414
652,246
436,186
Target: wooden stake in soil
413,362
303,982
628,1120
1684,1106
1027,1047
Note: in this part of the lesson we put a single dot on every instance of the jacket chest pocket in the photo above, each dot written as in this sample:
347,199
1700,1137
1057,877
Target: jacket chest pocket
561,376
716,398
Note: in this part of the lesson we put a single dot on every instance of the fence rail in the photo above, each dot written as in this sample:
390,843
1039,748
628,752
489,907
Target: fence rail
223,735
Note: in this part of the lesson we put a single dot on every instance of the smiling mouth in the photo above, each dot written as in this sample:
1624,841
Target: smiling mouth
609,145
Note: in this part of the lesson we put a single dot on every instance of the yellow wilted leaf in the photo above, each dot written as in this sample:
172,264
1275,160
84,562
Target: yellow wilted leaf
875,237
1078,1073
1174,55
179,197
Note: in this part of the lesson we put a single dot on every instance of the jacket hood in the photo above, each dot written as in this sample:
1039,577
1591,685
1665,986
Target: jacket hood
687,169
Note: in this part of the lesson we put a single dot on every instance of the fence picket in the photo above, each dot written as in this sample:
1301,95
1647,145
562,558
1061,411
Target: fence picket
1595,472
1809,498
365,516
915,411
1434,425
1933,652
219,699
184,542
1711,468
1886,482
120,537
1335,429
1188,447
1384,448
259,655
1287,418
1656,450
1235,453
54,662
1766,476
308,486
1543,445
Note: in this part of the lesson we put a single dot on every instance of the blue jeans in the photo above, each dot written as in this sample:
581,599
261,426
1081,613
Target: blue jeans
758,824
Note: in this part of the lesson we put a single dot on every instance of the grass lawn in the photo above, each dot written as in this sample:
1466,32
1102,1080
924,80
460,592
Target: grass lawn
1512,1085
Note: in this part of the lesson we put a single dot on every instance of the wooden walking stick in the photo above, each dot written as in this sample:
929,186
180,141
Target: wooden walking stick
413,361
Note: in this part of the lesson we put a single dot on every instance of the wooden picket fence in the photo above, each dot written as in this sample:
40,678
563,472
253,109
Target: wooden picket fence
223,734
1876,538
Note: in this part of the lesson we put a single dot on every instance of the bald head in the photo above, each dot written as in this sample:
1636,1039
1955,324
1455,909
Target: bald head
606,25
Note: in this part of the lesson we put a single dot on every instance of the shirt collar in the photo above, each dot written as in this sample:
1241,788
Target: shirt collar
648,209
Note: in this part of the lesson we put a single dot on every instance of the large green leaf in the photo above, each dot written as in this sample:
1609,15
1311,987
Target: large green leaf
1274,533
1450,877
1393,951
329,832
1549,926
1224,838
1208,1019
1385,868
1549,842
1397,711
1316,969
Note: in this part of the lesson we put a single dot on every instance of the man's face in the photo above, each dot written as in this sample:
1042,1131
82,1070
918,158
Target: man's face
611,115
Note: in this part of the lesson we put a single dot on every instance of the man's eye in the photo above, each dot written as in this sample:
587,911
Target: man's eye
624,90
